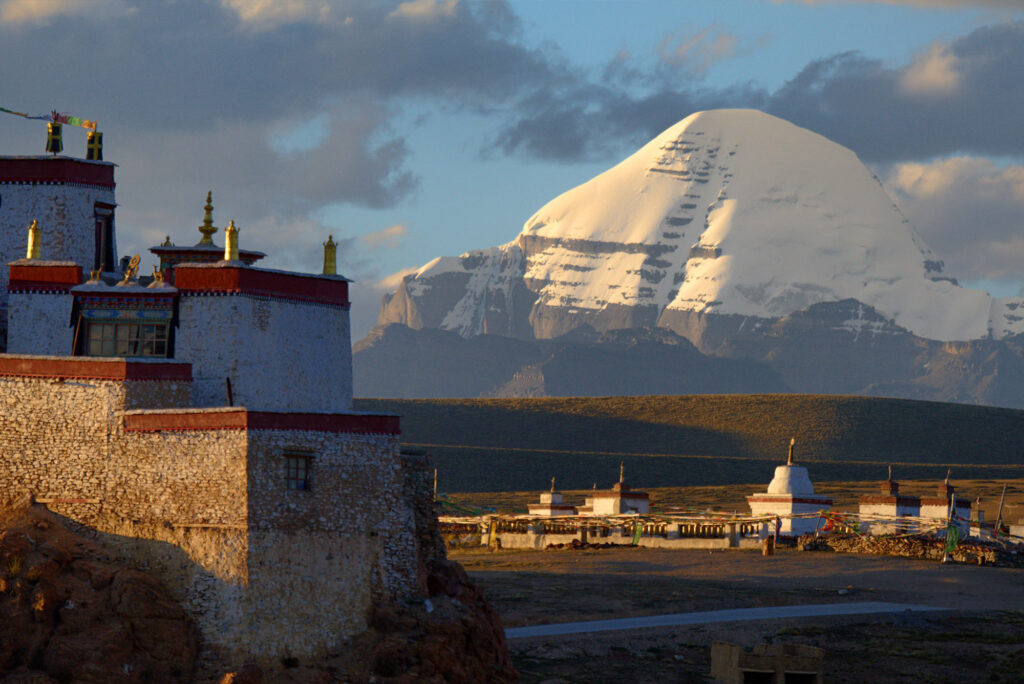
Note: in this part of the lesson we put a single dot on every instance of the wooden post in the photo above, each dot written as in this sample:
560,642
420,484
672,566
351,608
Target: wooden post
999,515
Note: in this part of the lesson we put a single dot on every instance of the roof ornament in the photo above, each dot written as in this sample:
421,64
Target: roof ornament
207,229
792,443
132,272
231,242
167,242
35,246
94,274
622,472
552,485
158,277
330,256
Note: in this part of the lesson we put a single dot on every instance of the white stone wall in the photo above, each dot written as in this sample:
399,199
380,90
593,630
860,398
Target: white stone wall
281,355
66,221
39,324
264,571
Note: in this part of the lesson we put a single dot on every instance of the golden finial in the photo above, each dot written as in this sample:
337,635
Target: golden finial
231,242
158,276
792,443
208,229
622,471
132,272
35,246
330,256
552,485
94,275
167,242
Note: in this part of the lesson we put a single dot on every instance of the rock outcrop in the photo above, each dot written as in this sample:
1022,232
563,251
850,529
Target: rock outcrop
70,613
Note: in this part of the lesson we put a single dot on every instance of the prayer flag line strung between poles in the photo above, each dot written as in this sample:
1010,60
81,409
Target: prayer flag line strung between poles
55,117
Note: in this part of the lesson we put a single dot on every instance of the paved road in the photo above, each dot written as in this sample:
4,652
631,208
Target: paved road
710,616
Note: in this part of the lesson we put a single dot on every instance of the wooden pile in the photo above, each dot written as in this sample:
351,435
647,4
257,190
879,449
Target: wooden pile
918,546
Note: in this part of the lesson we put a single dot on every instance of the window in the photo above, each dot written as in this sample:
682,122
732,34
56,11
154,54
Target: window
127,339
296,471
103,253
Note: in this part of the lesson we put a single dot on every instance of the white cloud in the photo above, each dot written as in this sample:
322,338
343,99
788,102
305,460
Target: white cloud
266,14
424,10
390,237
699,51
42,11
969,210
933,73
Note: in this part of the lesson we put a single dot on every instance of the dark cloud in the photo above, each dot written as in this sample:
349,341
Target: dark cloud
964,97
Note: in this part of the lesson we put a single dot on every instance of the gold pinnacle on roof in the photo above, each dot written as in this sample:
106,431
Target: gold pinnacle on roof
167,242
35,246
208,229
330,256
231,242
792,442
132,272
622,471
552,485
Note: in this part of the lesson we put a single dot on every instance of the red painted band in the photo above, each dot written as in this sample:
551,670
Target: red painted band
55,170
242,419
27,276
196,280
94,369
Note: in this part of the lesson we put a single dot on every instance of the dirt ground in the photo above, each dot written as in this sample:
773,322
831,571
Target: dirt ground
979,638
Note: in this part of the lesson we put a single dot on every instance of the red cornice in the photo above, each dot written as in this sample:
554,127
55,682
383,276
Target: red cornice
192,280
93,369
885,499
759,498
27,277
243,419
55,170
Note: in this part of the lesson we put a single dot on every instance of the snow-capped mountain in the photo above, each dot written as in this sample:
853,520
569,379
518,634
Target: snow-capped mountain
730,219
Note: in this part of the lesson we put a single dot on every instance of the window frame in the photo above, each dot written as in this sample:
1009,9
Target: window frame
127,339
298,470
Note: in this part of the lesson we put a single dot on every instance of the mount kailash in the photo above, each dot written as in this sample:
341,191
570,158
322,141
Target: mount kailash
733,234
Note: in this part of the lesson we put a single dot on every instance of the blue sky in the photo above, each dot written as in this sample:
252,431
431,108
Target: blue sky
416,129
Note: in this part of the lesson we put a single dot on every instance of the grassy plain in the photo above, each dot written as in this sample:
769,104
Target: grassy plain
492,445
979,638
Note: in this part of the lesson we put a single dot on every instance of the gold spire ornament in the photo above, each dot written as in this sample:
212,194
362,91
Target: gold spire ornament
158,277
330,256
208,229
54,140
231,242
94,146
792,443
35,245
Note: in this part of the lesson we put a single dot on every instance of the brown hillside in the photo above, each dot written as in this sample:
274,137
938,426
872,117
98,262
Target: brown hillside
519,444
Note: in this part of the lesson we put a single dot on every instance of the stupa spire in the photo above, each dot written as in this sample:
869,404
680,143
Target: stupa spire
208,229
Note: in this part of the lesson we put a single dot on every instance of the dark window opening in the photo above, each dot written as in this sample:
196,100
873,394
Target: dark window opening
127,339
104,247
296,471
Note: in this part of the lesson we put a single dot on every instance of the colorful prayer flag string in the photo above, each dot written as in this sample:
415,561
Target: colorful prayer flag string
55,117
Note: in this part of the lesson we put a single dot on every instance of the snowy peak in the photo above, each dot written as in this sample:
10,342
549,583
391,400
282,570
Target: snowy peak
728,212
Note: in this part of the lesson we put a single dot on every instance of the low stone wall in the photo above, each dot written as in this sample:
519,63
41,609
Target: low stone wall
917,546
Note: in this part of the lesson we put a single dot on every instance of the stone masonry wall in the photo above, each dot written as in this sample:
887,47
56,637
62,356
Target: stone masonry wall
39,324
263,570
318,559
281,355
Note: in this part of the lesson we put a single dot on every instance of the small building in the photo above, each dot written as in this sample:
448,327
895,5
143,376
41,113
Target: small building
937,508
551,504
890,504
618,500
789,494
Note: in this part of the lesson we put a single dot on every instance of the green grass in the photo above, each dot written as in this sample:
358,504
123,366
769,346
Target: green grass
519,444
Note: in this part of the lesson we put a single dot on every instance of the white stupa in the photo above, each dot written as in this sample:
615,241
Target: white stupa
790,493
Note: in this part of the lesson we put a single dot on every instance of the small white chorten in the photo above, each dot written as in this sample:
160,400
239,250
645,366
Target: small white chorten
551,504
790,493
